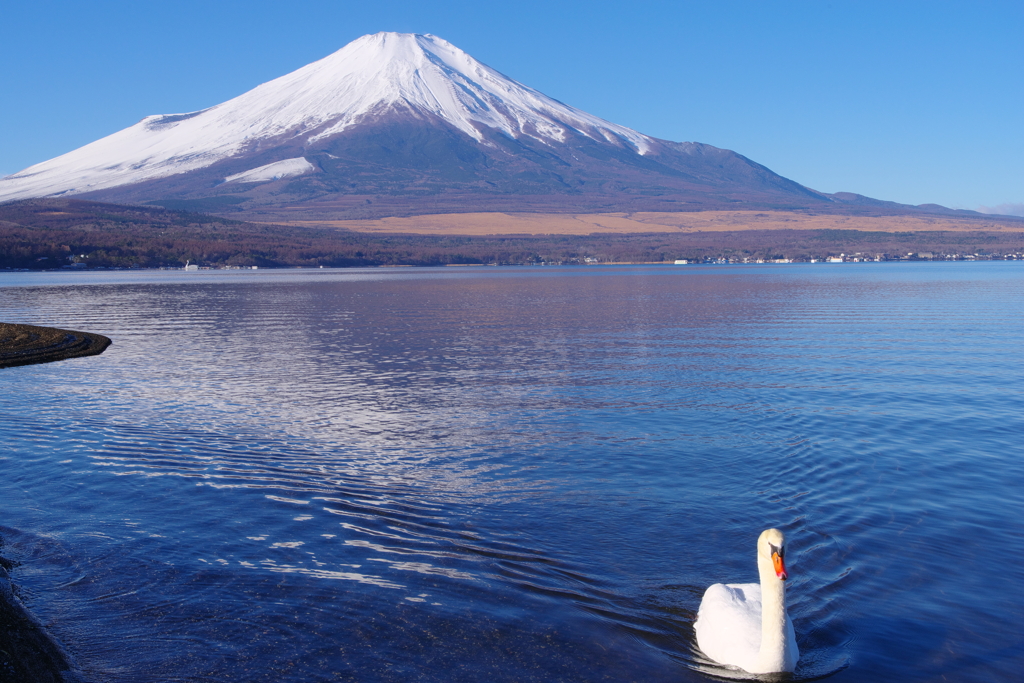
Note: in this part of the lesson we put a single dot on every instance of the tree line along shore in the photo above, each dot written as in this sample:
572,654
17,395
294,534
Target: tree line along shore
75,234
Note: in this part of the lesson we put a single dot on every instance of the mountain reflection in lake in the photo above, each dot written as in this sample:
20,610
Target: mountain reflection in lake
518,474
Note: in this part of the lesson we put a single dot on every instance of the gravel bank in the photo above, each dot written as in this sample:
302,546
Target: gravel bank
27,344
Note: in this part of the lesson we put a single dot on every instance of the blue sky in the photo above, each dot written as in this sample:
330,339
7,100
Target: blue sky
909,101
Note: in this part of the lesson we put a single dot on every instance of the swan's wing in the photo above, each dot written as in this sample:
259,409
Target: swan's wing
728,624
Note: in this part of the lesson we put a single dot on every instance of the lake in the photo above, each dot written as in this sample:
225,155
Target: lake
518,474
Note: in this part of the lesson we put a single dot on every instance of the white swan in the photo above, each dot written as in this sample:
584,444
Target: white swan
745,624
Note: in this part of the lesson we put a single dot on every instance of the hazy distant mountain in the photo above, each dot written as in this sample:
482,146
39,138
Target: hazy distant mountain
397,124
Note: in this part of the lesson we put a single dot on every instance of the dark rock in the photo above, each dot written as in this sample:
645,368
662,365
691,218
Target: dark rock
28,344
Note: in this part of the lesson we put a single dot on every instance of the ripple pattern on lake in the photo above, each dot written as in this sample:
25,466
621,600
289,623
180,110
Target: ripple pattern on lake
518,474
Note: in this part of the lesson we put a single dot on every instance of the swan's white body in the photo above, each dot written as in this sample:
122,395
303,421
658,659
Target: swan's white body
746,624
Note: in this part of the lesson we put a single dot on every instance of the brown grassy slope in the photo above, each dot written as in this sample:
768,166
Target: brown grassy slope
43,234
479,224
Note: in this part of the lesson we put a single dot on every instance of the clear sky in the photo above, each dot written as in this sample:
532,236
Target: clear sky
915,102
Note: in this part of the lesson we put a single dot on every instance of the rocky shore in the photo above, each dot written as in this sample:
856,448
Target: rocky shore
28,653
28,344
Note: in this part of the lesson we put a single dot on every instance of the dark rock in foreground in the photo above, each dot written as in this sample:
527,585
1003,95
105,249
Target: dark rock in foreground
28,653
28,344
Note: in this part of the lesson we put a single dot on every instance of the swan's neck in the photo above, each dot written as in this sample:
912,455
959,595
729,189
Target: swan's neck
772,655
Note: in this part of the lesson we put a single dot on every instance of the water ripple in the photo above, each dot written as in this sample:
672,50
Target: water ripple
517,474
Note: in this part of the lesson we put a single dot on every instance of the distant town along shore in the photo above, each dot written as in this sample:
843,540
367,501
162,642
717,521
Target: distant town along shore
28,344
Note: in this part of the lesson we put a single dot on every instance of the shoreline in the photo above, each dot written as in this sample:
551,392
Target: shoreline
710,261
28,653
30,344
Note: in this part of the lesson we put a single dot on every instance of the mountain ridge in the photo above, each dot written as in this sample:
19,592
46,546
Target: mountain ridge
398,123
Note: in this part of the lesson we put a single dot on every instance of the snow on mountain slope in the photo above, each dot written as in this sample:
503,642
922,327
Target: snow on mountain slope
274,171
368,77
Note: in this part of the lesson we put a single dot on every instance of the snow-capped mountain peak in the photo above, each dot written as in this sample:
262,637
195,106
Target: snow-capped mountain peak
429,74
371,76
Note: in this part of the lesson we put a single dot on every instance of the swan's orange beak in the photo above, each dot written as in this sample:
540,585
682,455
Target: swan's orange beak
780,566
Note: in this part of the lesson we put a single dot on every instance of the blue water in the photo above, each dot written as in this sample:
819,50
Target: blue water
519,474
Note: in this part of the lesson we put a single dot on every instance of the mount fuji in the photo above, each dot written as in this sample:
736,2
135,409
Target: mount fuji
404,124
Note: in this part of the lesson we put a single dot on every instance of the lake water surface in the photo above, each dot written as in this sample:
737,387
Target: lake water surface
519,474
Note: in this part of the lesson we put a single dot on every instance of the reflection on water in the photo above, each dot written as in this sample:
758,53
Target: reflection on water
517,474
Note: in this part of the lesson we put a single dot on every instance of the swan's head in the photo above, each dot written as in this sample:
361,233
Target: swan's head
772,547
